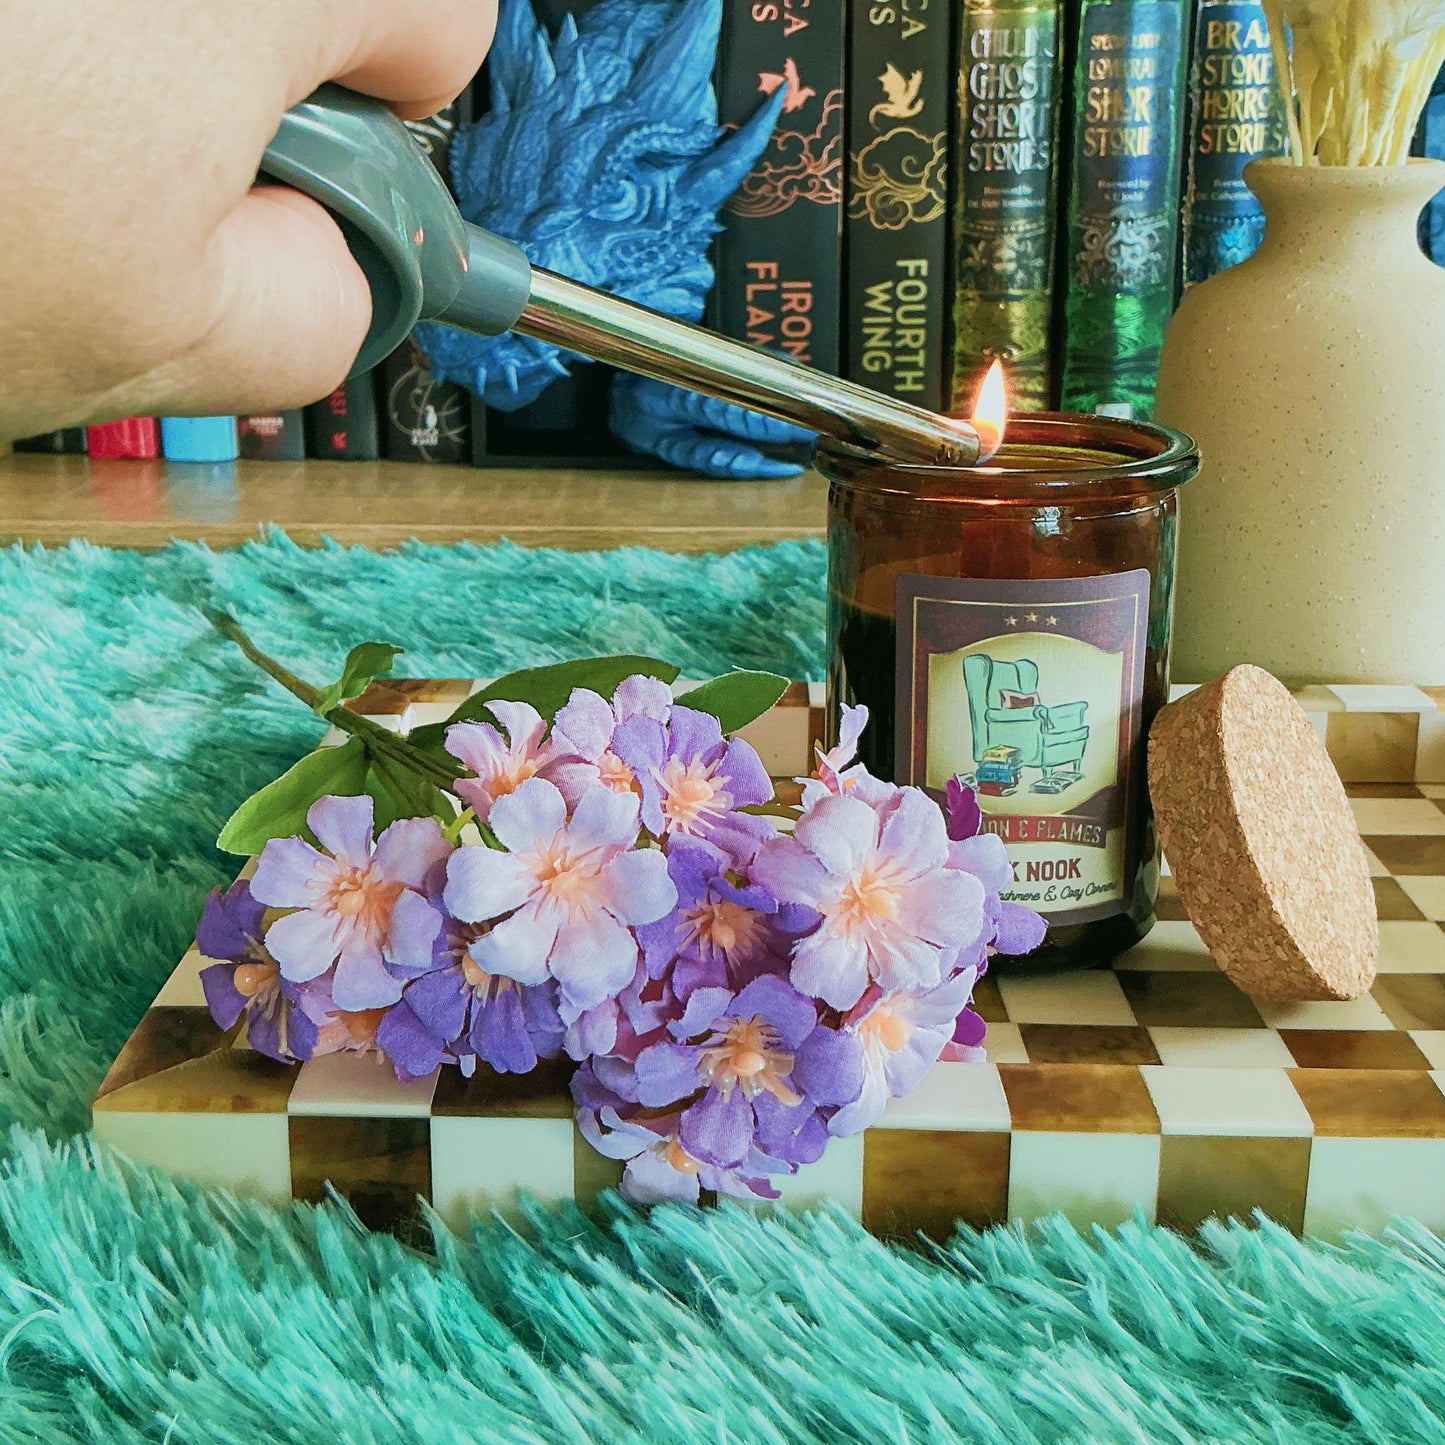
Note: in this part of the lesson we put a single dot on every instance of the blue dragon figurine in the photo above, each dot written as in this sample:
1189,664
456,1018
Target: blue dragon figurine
603,159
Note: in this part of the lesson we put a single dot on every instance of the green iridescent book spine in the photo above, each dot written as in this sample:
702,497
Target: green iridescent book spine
1003,186
1122,217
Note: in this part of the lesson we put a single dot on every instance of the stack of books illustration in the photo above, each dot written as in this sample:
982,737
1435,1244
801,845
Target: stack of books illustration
1000,772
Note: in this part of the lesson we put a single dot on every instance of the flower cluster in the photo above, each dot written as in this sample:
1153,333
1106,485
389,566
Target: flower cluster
616,887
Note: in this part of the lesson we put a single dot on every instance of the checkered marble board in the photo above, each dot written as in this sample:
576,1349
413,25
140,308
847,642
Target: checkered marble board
1156,1085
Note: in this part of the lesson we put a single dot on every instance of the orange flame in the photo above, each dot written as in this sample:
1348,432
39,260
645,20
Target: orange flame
990,412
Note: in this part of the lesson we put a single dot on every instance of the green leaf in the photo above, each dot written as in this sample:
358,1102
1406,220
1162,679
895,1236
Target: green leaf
399,793
279,809
547,689
364,663
736,698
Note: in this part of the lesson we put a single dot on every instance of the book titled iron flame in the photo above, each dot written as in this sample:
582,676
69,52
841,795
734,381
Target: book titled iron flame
896,196
1235,115
1121,231
779,255
1004,162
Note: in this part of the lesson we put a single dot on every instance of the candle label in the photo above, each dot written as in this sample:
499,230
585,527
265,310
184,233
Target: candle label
1032,693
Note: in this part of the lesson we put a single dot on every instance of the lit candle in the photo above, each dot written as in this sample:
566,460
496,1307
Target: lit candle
1008,624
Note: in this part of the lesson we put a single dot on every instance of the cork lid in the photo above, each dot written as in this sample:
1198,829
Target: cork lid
1262,842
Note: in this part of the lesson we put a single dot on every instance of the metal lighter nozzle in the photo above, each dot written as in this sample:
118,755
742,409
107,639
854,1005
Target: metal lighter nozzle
424,262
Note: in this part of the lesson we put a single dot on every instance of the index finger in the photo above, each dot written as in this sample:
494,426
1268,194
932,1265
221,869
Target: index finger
418,55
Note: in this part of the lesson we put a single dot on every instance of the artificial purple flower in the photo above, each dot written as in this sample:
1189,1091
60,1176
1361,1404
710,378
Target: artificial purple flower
583,731
659,1168
501,762
729,1065
1008,927
719,933
357,906
960,806
884,1049
562,896
460,1013
832,774
660,1171
966,1045
244,978
693,781
889,911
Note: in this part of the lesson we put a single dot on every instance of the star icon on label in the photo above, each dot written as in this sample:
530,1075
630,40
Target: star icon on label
1031,616
1011,621
1052,621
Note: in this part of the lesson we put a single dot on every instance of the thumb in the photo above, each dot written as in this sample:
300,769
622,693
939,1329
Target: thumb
286,309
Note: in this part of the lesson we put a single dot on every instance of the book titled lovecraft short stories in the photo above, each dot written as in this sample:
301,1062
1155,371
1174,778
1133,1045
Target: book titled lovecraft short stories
896,197
779,256
1007,90
1123,207
1235,116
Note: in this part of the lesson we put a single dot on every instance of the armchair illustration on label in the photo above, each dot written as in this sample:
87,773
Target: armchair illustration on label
1014,730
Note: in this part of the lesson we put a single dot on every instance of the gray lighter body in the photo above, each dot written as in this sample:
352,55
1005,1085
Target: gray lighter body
425,263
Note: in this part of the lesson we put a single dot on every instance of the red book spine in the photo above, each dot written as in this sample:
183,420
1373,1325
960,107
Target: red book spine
132,436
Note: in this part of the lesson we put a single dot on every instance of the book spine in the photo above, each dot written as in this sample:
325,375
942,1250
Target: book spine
131,436
342,427
1236,114
779,255
425,419
1004,183
272,436
69,441
199,438
896,193
1122,223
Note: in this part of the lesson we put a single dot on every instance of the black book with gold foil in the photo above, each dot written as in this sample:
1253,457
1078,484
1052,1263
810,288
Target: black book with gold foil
779,256
896,197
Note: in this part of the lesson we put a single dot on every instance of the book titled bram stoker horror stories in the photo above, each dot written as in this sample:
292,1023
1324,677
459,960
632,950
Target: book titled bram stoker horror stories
1235,115
896,195
1007,88
779,256
1123,209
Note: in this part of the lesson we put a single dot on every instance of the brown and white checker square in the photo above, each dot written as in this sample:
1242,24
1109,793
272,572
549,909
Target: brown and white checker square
1154,1086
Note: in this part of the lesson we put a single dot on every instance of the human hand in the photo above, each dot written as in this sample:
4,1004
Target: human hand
139,270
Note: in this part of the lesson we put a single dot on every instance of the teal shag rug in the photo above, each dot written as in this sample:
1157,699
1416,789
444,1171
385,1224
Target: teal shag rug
133,1309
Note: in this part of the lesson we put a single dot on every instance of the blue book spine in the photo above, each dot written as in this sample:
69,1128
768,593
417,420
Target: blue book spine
1236,115
199,438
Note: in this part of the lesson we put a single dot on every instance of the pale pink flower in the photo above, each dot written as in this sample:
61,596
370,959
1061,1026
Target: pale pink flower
833,775
563,893
501,762
889,911
583,730
358,905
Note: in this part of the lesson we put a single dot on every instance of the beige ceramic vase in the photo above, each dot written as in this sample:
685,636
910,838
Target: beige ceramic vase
1312,376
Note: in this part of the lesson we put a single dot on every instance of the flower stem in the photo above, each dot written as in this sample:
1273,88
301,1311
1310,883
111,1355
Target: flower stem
382,743
228,627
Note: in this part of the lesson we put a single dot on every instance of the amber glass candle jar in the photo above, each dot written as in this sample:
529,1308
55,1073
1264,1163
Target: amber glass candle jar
1008,624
